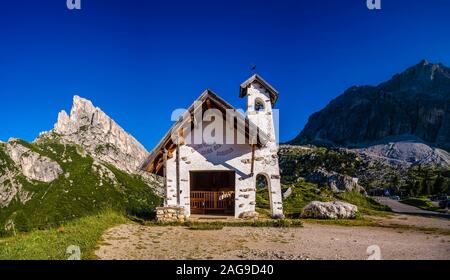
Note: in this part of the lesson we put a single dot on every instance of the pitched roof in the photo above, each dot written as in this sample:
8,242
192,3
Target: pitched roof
256,78
208,99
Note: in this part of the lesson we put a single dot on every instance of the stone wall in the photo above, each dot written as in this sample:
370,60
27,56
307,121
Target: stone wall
170,214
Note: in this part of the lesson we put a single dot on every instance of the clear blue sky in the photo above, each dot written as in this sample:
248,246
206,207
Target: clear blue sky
139,60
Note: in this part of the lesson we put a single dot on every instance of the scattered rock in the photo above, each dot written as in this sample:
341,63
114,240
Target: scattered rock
249,215
335,181
330,210
406,153
259,254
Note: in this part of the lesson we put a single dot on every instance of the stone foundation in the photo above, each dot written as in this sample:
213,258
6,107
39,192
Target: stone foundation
170,214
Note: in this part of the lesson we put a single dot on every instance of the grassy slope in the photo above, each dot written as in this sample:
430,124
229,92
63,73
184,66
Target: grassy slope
56,203
6,162
304,192
366,205
299,161
422,203
80,194
51,244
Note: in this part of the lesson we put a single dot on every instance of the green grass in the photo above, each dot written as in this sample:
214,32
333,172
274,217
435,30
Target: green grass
6,162
366,205
422,203
218,225
263,202
52,244
298,162
80,191
302,194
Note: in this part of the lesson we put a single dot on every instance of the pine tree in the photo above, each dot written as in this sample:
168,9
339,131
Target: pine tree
416,189
424,188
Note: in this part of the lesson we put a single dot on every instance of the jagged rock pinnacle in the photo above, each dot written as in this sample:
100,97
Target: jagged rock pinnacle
100,135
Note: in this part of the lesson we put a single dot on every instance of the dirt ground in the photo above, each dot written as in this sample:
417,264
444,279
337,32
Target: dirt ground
402,237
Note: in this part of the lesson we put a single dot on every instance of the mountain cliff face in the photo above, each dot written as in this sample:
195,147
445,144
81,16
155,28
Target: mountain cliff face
86,164
413,106
101,136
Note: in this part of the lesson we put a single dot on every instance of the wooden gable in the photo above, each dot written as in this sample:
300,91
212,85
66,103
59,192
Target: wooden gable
166,147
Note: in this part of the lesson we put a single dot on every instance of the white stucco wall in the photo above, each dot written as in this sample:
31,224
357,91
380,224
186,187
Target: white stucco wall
267,156
232,157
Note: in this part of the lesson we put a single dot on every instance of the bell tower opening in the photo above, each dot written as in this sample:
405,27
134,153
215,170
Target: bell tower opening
259,105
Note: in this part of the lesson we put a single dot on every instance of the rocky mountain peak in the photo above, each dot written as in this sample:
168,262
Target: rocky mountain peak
83,114
429,69
413,105
89,127
428,77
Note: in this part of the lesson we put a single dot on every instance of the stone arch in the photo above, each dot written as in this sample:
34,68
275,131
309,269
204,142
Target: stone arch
263,192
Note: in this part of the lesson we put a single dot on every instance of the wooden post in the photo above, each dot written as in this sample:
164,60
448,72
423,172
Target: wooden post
165,173
253,160
215,200
178,169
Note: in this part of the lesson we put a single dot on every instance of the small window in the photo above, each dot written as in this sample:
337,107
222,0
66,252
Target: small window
259,105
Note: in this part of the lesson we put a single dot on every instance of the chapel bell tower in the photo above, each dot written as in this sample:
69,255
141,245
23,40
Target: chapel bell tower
261,97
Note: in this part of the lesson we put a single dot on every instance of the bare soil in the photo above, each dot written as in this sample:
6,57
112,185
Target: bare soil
399,237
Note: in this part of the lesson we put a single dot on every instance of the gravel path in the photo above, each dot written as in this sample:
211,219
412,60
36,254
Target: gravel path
313,241
399,207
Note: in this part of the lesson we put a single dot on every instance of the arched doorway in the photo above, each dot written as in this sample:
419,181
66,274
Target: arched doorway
263,200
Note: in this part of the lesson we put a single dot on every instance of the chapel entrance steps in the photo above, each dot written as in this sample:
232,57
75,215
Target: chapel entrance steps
211,218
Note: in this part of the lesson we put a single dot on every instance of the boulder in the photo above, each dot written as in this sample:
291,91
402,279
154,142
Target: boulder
330,210
335,181
249,215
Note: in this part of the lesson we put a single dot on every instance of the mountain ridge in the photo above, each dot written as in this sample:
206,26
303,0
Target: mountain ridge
86,164
413,105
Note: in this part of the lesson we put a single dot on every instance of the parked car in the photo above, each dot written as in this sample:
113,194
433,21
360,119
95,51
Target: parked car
434,197
444,204
395,197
